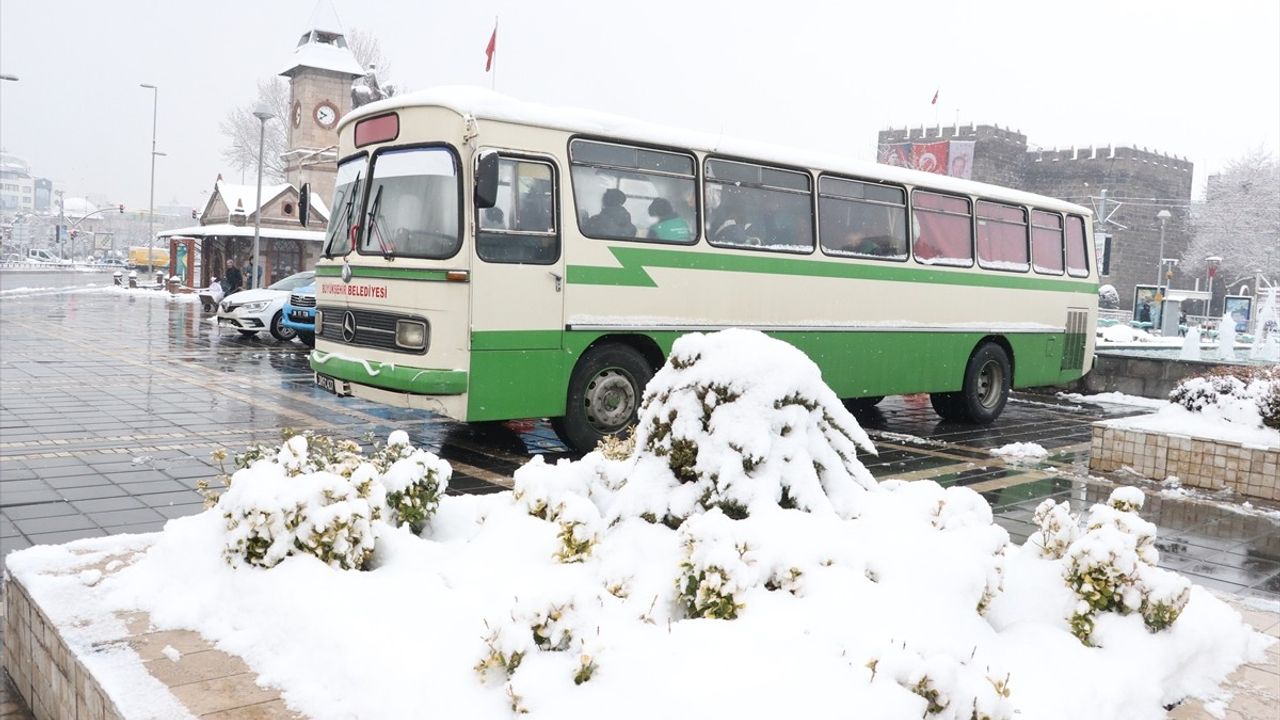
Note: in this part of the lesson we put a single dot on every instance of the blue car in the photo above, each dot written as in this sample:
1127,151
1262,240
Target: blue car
300,314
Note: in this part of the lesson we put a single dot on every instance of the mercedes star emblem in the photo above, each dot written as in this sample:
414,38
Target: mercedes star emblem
349,327
346,272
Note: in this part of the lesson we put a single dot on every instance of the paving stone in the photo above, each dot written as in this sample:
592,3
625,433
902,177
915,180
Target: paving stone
59,523
50,509
57,538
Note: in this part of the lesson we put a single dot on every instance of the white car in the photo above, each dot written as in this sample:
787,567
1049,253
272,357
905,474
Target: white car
251,311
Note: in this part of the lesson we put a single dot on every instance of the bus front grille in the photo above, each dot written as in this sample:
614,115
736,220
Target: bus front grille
1076,339
370,328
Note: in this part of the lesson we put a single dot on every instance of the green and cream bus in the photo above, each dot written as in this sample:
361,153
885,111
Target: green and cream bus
490,259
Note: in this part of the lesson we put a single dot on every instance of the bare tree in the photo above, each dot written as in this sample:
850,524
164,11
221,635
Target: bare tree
241,129
1239,220
368,52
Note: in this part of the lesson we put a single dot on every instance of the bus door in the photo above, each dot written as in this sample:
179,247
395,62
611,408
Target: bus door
517,287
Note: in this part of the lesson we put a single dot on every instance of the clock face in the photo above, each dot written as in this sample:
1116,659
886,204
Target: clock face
295,114
326,115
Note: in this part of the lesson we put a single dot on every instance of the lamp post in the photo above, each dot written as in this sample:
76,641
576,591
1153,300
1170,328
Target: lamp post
263,116
1212,261
1163,216
151,206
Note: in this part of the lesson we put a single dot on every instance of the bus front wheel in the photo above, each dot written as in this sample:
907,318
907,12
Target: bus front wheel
987,379
604,395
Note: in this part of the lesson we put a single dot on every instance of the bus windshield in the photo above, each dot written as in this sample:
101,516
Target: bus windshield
413,207
346,206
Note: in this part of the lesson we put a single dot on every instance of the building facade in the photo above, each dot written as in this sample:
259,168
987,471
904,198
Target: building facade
1126,187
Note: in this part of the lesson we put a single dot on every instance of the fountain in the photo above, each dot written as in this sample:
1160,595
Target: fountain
1191,344
1226,337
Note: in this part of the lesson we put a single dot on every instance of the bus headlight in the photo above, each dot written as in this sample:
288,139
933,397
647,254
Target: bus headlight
411,334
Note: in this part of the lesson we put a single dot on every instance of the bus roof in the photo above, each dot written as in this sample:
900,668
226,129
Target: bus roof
487,105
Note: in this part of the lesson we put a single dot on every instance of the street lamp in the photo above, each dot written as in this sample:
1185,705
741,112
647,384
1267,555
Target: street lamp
263,116
151,206
1163,216
1212,261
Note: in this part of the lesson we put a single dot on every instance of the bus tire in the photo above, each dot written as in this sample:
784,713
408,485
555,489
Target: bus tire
605,390
862,404
987,381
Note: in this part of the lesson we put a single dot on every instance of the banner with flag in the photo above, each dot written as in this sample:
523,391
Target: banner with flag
491,48
930,157
960,159
897,154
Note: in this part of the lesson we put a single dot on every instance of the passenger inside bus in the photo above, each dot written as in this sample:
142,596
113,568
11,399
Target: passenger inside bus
668,225
613,220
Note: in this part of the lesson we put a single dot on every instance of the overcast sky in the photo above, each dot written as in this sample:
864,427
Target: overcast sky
1200,80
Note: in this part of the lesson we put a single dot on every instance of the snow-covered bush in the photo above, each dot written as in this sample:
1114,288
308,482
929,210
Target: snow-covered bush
717,568
1248,396
1112,568
952,688
414,480
321,496
741,421
1058,528
1108,298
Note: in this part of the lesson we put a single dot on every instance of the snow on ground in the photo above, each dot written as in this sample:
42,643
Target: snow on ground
1114,398
739,562
1021,452
1177,420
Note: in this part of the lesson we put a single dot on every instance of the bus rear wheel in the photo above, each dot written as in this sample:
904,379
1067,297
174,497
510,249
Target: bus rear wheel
987,379
604,395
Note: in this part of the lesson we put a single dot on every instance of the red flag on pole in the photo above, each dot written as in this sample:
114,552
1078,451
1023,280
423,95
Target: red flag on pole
491,48
934,101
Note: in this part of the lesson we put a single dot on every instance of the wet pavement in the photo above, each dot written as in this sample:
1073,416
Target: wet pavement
111,403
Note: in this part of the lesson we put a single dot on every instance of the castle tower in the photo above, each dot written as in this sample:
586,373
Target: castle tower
320,75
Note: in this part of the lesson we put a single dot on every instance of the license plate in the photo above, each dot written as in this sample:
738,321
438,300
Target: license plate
330,384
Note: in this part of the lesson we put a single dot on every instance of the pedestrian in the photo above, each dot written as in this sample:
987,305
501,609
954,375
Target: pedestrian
233,281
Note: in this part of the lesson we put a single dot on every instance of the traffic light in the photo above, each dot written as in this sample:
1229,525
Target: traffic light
74,233
194,215
121,208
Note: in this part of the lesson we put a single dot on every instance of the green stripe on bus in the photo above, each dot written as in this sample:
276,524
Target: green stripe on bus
635,260
399,378
387,273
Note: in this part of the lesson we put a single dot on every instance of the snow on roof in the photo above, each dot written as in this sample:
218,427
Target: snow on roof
227,230
77,206
247,195
486,104
323,56
318,205
325,18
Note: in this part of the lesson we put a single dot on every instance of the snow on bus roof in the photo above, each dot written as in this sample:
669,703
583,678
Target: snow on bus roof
487,105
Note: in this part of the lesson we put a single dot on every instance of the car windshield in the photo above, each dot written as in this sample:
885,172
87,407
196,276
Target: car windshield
346,206
293,281
413,205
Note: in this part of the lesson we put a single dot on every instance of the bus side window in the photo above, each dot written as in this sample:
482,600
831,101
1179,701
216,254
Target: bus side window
1046,242
521,227
623,192
944,229
862,219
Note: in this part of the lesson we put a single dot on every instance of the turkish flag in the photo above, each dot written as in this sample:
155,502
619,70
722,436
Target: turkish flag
491,49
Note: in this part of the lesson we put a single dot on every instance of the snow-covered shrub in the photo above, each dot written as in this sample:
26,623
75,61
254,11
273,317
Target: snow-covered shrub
321,496
1058,528
740,420
1198,393
717,567
952,688
1108,298
546,630
1245,396
1269,405
1112,568
414,480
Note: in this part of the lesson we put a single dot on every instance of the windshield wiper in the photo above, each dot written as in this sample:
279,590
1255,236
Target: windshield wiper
375,228
347,213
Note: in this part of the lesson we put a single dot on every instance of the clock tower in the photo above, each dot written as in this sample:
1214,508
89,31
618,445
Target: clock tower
320,73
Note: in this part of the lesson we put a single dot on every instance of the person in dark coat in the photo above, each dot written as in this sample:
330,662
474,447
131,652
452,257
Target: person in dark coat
613,220
233,281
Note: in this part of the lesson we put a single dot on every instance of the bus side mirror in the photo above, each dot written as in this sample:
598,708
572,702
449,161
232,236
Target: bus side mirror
486,179
304,204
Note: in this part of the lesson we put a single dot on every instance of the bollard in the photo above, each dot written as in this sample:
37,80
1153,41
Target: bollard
160,278
173,285
133,279
118,277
